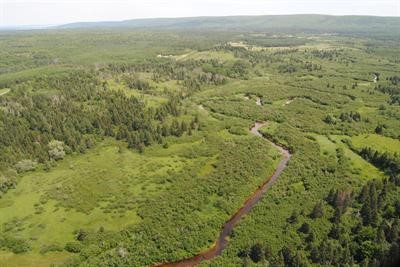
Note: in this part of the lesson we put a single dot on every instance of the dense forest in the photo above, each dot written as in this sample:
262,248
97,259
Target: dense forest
126,146
43,128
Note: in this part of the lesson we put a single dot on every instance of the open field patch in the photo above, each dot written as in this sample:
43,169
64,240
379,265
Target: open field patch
377,142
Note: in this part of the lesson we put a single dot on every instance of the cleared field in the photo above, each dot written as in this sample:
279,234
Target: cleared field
148,98
361,168
377,142
364,169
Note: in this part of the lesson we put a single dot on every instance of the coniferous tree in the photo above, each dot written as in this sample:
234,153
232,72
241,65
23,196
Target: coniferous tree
318,211
256,252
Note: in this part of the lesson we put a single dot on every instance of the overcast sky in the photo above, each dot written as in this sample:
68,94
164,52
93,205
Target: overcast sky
51,12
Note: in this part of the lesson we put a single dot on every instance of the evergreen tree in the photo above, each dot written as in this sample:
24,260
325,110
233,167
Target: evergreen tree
318,211
256,252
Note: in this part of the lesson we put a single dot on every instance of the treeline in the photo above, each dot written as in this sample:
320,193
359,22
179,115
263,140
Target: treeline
267,41
50,116
347,227
133,81
372,239
343,117
395,80
385,161
390,163
256,57
192,73
350,116
393,92
326,54
275,56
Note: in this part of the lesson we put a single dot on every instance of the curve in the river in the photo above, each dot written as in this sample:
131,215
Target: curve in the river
227,228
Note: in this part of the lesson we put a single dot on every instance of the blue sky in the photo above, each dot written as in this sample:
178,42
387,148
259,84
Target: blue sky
52,12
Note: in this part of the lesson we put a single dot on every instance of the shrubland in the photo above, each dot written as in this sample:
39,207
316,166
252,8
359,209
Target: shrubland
137,150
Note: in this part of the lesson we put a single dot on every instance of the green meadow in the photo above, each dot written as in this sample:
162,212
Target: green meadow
100,189
377,142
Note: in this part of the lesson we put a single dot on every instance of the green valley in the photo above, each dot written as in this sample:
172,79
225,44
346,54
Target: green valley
125,145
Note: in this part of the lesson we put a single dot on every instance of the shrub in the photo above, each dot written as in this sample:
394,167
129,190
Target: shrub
73,247
7,180
50,248
81,235
26,165
256,252
56,150
304,228
237,130
16,245
329,119
318,211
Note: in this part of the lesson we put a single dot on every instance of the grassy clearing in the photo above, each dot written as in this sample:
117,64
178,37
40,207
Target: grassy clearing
377,142
102,188
361,168
221,56
150,99
8,259
326,145
364,169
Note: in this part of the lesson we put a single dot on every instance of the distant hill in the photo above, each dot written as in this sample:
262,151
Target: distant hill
276,23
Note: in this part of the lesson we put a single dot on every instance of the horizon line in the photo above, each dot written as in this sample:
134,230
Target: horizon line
44,26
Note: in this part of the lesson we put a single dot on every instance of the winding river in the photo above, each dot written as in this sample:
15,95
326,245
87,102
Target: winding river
226,229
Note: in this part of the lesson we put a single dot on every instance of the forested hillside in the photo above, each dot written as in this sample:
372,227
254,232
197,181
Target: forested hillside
132,147
310,23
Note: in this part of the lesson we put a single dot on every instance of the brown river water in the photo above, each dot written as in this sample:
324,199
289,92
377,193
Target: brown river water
222,241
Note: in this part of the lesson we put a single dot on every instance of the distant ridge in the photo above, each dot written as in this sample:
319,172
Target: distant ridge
282,23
